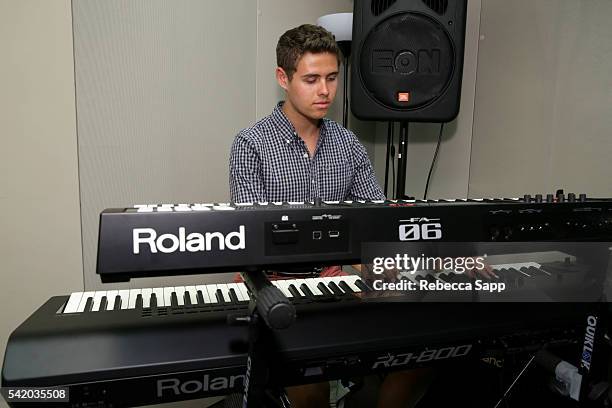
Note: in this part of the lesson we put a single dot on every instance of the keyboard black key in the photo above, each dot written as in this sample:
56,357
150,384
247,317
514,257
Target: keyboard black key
187,298
233,296
335,289
219,295
139,301
345,286
200,298
361,285
323,288
153,301
295,292
103,304
306,290
173,300
429,278
88,305
117,304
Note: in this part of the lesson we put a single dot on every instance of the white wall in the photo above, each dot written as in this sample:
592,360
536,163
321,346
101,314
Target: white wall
544,96
40,235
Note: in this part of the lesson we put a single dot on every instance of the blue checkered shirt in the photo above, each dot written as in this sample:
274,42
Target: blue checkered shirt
270,162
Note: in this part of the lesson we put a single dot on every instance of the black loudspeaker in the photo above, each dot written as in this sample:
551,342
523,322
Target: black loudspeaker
407,61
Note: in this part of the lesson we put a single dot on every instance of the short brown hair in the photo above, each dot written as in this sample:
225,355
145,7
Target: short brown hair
299,40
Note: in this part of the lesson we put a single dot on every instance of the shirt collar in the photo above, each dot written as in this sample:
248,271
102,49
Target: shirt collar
287,131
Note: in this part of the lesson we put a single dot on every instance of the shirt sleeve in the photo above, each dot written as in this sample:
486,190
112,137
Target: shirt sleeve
365,185
245,177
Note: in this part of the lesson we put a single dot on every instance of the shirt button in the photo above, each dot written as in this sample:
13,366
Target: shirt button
287,140
313,181
306,155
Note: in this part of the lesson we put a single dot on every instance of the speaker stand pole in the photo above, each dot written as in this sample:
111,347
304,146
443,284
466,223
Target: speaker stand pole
401,160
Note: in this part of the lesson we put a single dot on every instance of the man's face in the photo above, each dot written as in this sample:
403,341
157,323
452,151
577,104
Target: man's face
313,86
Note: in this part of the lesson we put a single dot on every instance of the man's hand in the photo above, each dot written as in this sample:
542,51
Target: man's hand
486,272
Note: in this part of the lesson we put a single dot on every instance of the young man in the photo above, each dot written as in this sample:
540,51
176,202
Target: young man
296,154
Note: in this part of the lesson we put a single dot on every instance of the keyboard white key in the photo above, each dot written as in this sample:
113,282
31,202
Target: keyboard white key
146,297
336,280
323,281
312,285
180,295
193,294
225,291
168,295
296,284
223,208
86,295
98,295
200,208
73,302
212,293
238,292
244,290
133,296
283,287
159,296
350,281
110,299
125,298
205,295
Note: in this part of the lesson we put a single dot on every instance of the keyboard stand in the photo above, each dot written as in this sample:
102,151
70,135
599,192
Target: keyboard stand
269,310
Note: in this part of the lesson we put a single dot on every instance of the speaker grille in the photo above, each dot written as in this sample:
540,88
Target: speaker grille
379,6
438,6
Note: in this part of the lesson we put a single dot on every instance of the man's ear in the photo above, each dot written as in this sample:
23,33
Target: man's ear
282,78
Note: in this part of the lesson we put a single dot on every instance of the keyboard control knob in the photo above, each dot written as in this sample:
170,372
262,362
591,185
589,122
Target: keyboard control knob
527,198
571,197
582,198
550,198
538,198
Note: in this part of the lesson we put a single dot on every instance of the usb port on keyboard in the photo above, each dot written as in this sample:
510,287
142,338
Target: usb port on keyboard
334,234
317,235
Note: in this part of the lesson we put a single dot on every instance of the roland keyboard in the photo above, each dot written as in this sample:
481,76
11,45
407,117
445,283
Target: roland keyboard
170,239
155,345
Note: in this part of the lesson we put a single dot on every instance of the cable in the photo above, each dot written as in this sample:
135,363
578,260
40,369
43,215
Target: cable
393,165
433,161
388,154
